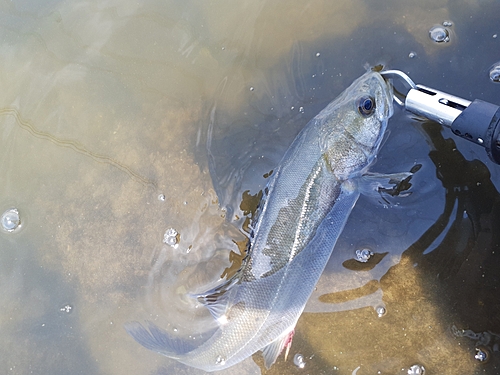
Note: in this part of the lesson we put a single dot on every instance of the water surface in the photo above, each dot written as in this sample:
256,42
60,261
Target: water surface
107,105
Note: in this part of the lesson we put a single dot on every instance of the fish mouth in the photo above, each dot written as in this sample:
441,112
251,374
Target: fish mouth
386,96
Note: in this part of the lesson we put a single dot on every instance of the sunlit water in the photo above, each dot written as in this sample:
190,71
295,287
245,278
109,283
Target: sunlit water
131,132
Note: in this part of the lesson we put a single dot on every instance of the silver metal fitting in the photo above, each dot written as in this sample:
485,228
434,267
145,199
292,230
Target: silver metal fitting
425,101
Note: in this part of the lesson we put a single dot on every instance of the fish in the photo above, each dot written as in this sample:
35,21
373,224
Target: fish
304,209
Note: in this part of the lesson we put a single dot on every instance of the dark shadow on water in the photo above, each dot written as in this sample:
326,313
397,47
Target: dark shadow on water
453,267
459,255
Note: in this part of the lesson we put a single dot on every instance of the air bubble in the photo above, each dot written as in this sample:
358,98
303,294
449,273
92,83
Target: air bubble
416,370
381,311
482,354
439,34
161,197
363,255
252,88
301,109
220,360
66,308
10,220
495,72
171,237
412,55
447,23
318,54
298,360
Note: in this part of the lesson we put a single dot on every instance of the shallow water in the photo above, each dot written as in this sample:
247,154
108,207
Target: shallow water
105,106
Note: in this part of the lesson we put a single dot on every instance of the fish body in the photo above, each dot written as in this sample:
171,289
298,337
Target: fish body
306,205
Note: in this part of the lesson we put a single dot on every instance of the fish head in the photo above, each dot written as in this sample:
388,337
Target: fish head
371,107
354,124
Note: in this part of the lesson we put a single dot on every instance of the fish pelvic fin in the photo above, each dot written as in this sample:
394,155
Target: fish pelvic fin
156,339
216,300
274,349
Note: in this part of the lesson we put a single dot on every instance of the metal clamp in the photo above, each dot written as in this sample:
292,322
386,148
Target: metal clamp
476,121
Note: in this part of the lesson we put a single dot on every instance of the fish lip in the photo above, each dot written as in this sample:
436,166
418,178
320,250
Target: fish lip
388,95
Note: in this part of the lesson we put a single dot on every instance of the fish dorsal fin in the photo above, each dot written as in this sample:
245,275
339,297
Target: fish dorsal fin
274,349
216,300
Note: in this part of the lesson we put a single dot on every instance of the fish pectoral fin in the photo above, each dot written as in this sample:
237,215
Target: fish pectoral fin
216,300
156,339
274,349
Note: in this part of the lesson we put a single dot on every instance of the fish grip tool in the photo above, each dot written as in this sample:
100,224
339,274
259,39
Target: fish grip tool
477,121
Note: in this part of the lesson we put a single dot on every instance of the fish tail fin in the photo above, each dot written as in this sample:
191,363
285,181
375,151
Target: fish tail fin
156,339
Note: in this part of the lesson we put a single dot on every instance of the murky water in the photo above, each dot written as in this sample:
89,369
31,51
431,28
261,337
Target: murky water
121,121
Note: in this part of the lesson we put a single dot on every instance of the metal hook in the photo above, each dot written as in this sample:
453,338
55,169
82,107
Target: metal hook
399,97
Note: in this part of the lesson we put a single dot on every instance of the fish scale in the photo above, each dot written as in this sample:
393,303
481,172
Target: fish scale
307,203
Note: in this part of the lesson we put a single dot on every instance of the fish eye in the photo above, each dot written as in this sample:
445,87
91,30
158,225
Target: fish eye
366,105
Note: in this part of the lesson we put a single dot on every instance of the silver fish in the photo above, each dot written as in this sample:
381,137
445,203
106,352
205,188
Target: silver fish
307,202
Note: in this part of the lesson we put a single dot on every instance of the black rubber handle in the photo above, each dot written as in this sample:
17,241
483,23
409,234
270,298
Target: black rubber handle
479,123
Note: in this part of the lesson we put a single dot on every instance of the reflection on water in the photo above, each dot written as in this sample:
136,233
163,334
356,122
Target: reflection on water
107,106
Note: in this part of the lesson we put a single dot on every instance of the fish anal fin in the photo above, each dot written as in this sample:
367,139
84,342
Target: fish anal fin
274,349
